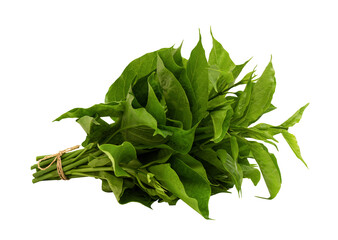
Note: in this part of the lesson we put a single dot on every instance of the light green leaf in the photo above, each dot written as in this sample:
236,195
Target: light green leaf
238,69
221,122
261,96
234,147
268,168
252,173
232,167
177,55
197,72
100,162
220,57
243,101
292,141
295,118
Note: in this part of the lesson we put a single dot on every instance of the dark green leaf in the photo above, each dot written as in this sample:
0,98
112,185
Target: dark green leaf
154,107
174,95
96,128
181,140
138,68
185,183
169,62
193,163
114,109
119,154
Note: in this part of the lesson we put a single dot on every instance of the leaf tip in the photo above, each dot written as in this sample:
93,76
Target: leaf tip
269,198
211,32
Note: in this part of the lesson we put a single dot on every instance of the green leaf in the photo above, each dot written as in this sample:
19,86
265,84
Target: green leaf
261,96
151,186
220,57
252,173
136,194
268,167
174,95
88,123
238,69
270,108
137,117
193,163
114,109
295,118
96,128
243,101
181,140
154,157
210,156
138,68
256,133
221,122
184,183
231,165
220,79
177,55
169,62
218,102
110,183
234,147
123,153
100,162
140,92
292,141
197,71
154,107
139,127
189,91
114,183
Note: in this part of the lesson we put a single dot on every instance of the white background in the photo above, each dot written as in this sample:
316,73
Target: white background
57,55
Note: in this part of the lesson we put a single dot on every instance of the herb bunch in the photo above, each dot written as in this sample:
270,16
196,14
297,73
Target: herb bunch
182,129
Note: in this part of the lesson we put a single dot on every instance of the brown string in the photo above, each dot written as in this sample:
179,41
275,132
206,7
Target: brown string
58,161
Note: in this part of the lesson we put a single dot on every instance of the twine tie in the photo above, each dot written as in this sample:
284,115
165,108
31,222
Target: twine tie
57,158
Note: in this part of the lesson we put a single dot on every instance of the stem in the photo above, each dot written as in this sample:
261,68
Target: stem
84,170
65,156
71,166
64,163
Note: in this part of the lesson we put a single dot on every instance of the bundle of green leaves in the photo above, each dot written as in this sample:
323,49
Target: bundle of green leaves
182,129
